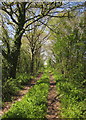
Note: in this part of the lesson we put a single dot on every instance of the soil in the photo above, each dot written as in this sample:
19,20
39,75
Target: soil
53,111
20,95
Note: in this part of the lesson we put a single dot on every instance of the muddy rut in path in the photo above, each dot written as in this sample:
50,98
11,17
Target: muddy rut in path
20,95
53,102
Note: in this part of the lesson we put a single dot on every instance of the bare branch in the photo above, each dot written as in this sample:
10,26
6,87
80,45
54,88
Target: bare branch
10,14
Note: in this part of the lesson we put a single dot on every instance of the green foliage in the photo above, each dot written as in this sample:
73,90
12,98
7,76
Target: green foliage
72,98
70,65
33,105
9,88
23,79
44,79
12,86
24,59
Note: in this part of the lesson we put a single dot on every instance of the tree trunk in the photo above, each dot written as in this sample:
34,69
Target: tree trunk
32,65
14,55
12,70
12,60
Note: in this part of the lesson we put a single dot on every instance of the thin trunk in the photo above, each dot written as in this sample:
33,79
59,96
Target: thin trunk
32,65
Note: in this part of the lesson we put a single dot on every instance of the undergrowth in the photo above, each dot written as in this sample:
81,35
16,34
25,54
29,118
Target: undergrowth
72,96
12,86
33,104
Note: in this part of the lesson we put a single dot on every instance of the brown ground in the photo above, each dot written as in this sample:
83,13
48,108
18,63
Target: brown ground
20,95
53,102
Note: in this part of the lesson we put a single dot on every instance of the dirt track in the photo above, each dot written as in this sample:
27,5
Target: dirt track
53,102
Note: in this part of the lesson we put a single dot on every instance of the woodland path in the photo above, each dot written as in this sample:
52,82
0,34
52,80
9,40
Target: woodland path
53,104
20,95
53,110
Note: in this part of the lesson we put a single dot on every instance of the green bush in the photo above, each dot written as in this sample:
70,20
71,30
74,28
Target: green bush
72,96
12,86
23,79
9,88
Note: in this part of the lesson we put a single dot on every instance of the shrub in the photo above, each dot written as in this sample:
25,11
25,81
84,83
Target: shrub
23,79
9,88
12,86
